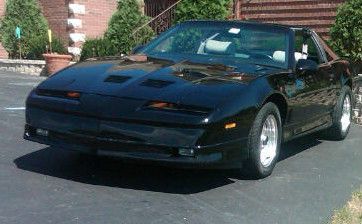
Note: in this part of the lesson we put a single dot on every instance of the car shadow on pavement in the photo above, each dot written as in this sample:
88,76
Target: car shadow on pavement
115,173
298,145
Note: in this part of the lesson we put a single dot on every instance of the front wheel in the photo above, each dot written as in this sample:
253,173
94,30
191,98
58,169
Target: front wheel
264,141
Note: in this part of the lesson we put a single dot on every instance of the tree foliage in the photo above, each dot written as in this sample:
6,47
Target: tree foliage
123,23
99,47
200,9
27,15
39,44
346,33
118,38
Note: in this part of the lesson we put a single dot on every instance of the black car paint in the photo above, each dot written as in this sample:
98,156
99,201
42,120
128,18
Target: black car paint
111,117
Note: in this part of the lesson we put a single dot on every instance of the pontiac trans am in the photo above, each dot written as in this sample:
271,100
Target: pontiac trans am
202,94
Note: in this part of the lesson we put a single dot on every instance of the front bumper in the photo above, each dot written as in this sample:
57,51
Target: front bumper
223,155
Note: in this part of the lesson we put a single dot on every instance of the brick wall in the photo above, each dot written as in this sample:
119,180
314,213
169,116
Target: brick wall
3,53
74,20
316,14
56,12
97,15
88,19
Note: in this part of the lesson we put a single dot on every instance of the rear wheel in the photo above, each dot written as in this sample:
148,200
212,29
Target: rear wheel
264,141
342,116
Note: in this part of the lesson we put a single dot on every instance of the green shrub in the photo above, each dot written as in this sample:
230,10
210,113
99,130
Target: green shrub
200,9
98,48
346,33
124,21
38,47
27,15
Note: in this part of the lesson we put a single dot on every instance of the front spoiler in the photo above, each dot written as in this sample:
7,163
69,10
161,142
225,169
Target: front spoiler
223,155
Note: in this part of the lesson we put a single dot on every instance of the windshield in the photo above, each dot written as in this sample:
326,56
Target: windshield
223,43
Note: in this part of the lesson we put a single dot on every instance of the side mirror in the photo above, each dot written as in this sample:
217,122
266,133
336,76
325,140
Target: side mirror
137,49
306,66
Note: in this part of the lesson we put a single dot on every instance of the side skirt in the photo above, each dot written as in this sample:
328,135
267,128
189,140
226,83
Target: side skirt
290,133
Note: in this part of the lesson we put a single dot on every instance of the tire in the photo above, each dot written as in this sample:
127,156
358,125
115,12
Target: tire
340,127
258,165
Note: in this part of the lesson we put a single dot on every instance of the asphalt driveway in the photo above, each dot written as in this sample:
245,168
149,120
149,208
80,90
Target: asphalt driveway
39,184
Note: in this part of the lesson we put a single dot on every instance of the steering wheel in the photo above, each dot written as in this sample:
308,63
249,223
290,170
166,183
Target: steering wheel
261,56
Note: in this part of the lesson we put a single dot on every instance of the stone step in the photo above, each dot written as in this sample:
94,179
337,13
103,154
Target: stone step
293,16
289,8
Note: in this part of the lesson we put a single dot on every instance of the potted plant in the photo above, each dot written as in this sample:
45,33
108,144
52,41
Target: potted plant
57,60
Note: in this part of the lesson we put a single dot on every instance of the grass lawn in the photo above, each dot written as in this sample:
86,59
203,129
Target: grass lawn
350,213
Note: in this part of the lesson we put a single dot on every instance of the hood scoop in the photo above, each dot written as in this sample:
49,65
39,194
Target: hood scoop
155,83
117,79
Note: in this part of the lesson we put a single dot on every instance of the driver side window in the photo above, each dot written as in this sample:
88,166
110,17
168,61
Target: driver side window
305,48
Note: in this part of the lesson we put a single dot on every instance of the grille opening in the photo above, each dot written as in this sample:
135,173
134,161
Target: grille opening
178,108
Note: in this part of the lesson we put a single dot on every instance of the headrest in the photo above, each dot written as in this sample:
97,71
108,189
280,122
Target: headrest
279,56
218,47
298,56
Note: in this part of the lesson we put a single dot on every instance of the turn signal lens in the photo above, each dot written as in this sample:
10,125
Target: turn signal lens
230,125
161,105
73,95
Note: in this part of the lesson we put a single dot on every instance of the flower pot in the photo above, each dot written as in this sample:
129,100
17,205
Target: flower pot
56,62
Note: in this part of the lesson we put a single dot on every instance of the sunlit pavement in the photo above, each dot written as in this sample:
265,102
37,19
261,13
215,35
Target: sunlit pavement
39,184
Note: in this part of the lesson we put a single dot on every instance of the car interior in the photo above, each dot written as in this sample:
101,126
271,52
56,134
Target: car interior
263,47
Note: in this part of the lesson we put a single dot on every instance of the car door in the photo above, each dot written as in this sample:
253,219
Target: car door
310,95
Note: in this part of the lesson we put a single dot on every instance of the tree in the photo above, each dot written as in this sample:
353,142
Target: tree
124,22
346,33
200,9
27,15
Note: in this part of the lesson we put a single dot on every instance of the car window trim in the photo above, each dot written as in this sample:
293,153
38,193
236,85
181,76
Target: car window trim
321,53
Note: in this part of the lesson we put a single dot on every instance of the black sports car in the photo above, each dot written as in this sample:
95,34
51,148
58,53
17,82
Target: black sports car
204,93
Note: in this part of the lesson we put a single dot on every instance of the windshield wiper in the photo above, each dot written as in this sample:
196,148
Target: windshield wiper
222,67
264,65
218,66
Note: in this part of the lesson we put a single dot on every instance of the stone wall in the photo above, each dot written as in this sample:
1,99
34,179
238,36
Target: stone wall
31,67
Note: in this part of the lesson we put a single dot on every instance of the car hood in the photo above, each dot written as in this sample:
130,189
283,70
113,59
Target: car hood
155,80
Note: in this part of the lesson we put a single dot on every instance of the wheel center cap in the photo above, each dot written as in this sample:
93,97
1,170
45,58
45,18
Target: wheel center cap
264,139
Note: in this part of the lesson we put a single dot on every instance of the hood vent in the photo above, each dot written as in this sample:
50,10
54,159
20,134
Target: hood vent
117,79
156,83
